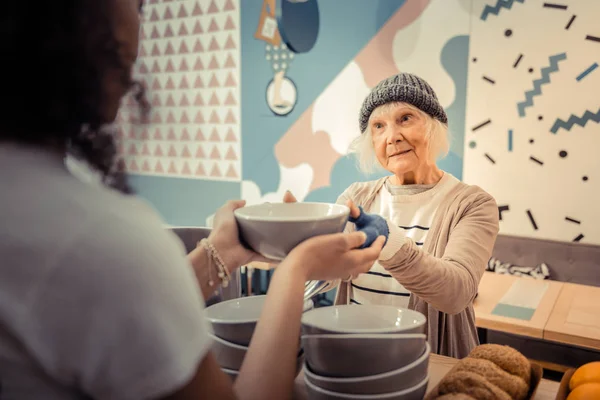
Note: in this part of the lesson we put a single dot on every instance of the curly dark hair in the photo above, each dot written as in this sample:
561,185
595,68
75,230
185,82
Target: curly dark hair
53,57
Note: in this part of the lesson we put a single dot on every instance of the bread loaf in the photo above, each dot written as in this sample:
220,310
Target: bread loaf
456,396
491,371
506,358
513,385
472,384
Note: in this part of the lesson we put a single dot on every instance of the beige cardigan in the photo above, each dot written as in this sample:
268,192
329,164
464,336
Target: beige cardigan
444,275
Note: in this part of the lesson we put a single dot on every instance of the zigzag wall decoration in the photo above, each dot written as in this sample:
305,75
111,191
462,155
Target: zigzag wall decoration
575,120
500,4
537,84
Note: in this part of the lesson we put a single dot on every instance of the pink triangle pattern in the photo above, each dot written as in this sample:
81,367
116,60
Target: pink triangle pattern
230,44
182,85
198,84
230,118
213,27
229,63
200,170
231,172
214,136
230,137
198,28
183,31
199,136
229,6
200,153
214,100
213,46
212,9
216,171
231,156
230,100
185,136
214,154
184,102
182,12
229,24
213,63
197,10
230,82
214,118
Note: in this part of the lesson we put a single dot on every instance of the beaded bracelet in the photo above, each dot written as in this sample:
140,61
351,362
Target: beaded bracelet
213,255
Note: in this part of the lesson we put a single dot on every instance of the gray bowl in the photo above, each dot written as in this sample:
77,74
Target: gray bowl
274,229
231,356
362,319
235,320
346,356
233,374
416,392
393,381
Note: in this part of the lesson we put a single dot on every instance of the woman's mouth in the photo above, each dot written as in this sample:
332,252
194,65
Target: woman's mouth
400,153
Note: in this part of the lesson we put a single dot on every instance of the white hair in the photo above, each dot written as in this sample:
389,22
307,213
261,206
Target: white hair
435,130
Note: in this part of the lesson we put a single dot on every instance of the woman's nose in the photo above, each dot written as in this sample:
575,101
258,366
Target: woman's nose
395,136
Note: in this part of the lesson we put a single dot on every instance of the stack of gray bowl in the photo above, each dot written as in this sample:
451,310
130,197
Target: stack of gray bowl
233,324
365,352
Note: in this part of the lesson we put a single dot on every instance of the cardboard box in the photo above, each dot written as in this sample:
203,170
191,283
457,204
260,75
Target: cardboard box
563,389
537,373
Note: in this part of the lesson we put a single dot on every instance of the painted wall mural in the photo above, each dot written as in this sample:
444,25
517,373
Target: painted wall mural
281,92
189,59
311,148
519,81
533,115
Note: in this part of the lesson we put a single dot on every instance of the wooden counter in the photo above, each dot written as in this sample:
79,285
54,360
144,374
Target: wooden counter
575,319
494,289
438,368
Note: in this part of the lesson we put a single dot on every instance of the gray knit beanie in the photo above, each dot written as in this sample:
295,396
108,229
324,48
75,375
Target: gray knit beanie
406,88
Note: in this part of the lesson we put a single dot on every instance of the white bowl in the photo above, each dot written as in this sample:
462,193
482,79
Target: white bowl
357,355
235,320
362,319
274,229
393,381
416,392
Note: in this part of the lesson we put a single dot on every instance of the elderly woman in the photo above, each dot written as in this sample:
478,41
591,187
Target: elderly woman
441,231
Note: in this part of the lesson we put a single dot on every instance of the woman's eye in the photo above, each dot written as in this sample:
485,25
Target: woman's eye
377,125
406,117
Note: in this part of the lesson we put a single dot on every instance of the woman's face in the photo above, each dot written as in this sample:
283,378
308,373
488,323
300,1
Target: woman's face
399,135
125,16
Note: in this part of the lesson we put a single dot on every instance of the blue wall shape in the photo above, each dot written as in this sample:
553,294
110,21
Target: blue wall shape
346,27
185,202
455,60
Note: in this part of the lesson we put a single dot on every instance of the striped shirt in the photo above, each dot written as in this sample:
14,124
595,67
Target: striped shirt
412,208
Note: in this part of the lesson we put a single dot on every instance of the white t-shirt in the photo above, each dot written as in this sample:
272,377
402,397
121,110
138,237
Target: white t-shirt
97,299
412,208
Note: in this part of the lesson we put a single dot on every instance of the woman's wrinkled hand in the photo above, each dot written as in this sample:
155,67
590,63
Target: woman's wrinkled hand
334,256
